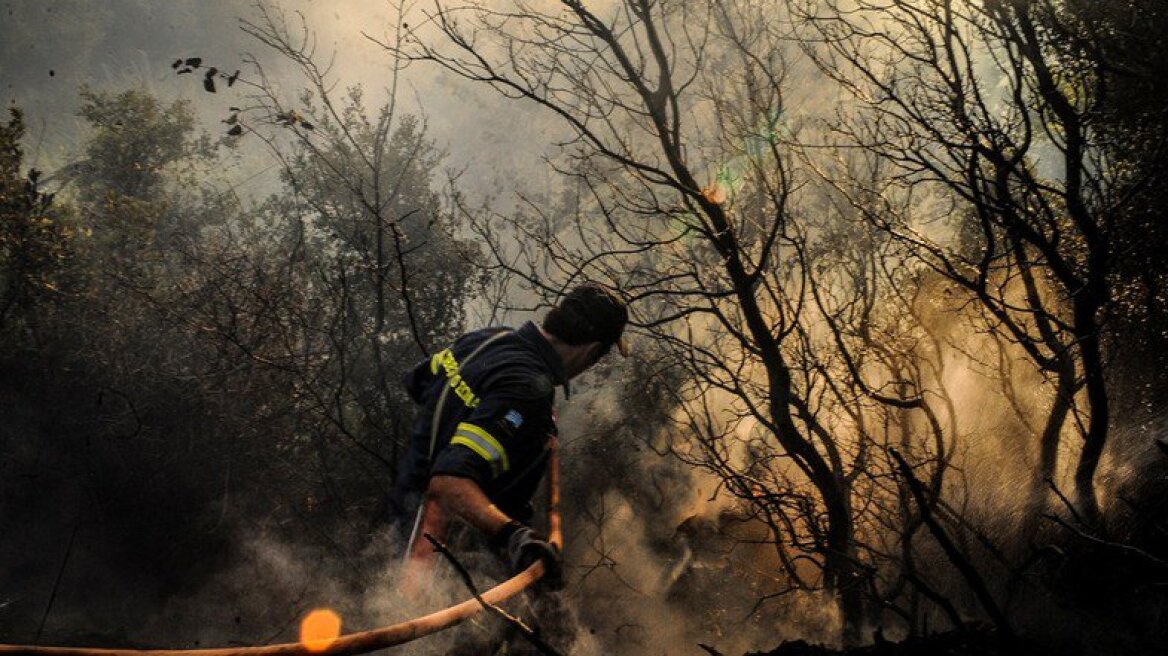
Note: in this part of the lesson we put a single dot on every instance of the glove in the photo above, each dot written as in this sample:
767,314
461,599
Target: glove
524,546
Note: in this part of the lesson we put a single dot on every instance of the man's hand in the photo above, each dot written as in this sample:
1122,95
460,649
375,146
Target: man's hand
462,497
524,546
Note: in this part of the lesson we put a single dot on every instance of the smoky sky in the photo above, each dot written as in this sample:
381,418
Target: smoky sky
50,50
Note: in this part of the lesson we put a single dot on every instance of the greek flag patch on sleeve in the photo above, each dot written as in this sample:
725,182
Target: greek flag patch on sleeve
514,418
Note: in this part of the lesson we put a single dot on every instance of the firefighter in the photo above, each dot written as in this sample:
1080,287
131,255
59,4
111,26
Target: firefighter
479,447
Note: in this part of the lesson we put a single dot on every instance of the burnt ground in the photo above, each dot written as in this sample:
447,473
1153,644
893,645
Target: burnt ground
956,643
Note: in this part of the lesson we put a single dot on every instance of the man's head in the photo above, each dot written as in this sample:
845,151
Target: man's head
585,325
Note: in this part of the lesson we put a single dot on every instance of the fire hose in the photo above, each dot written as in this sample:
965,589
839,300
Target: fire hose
363,641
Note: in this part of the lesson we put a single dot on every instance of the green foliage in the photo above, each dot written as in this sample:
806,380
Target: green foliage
36,237
366,188
126,180
134,140
360,259
215,363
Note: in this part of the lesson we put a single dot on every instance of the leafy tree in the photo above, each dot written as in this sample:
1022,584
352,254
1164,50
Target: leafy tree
222,363
344,279
1123,41
36,236
129,182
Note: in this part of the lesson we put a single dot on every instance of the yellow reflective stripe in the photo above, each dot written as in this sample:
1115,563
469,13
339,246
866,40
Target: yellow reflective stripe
477,448
486,440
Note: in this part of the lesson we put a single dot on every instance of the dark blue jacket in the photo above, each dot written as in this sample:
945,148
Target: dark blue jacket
491,393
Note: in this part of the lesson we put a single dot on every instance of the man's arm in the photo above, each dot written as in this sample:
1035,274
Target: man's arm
446,497
501,434
462,497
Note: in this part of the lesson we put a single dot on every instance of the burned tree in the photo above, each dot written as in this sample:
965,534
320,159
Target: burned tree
989,133
683,196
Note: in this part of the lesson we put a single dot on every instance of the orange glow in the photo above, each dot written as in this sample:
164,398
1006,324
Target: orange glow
715,193
319,629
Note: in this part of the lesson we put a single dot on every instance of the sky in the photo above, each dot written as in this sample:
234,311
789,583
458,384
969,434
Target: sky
49,49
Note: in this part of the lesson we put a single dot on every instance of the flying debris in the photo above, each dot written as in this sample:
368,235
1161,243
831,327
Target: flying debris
292,118
235,131
209,79
176,64
232,78
194,62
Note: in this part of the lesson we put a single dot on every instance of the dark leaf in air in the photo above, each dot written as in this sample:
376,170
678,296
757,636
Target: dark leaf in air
231,80
212,71
235,131
195,62
209,84
233,109
176,64
185,70
307,125
232,120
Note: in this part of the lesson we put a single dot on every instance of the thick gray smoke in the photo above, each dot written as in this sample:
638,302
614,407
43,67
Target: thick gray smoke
661,559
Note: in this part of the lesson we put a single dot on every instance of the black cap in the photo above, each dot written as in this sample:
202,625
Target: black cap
593,313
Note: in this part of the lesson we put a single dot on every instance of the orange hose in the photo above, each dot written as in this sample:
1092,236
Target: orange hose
353,643
554,534
364,641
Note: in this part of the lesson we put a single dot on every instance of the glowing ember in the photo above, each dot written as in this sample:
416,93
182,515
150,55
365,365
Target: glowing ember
715,193
319,629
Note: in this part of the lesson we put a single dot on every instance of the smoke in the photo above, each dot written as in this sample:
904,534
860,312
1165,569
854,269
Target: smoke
238,581
49,50
659,558
273,582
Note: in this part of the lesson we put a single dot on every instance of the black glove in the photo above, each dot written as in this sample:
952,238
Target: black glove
524,546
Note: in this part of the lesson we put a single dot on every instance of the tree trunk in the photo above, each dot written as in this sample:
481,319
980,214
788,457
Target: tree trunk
1097,427
841,572
1052,433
